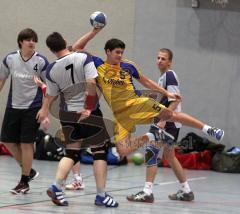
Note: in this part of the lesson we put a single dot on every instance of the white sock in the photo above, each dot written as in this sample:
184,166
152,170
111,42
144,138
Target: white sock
205,129
185,187
148,188
101,192
77,177
150,136
59,183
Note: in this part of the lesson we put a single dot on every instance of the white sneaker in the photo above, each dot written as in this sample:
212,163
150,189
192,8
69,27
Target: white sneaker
75,185
216,133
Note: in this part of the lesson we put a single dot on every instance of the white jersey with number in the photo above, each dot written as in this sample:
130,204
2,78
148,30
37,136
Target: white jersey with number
23,93
67,77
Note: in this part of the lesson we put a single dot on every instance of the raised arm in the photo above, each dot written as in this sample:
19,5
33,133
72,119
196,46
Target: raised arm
82,42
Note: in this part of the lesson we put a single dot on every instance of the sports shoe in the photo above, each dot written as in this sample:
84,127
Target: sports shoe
33,174
141,197
216,133
106,201
57,196
161,135
22,187
75,185
182,196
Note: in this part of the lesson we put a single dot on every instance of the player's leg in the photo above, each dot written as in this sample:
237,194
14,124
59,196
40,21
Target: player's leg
190,121
100,173
77,182
99,153
65,165
146,194
185,193
28,130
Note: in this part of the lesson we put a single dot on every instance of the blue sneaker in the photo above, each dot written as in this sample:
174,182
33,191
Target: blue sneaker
57,196
217,133
106,201
161,135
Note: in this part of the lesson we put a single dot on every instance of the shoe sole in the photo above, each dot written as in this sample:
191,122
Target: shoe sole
103,205
23,191
132,200
52,196
175,199
68,188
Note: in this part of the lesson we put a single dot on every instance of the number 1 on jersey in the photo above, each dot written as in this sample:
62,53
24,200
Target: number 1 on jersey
71,68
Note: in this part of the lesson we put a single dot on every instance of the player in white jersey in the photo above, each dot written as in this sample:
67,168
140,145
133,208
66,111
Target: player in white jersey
24,100
168,80
67,77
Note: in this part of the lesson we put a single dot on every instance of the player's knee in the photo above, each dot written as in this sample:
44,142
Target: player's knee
73,154
166,114
151,155
100,153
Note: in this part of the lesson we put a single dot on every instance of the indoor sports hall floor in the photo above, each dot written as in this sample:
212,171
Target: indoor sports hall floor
214,192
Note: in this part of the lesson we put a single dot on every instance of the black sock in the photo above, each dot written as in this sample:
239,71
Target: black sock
24,179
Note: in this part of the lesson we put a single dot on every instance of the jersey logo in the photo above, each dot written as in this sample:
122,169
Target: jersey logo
113,81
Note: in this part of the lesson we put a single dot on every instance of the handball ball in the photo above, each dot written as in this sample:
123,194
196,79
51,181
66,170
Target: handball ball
98,19
138,158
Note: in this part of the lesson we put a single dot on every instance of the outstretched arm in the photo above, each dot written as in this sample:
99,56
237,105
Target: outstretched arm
155,87
82,42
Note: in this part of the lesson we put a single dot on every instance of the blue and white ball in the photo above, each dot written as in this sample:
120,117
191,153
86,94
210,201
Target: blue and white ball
98,19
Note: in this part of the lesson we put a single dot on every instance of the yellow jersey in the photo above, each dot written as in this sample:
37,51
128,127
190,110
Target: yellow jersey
116,83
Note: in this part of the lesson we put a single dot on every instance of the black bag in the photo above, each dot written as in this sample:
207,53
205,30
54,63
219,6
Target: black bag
48,147
194,143
225,162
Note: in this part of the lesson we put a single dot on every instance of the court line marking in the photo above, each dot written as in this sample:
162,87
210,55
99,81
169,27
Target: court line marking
93,193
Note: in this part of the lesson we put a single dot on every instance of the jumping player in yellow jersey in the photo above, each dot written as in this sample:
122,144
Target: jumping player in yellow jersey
115,78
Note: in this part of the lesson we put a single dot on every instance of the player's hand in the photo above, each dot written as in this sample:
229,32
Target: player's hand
85,113
96,30
174,96
161,124
45,124
41,115
38,81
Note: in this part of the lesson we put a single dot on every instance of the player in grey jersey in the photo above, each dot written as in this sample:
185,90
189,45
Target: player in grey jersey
24,100
67,77
168,80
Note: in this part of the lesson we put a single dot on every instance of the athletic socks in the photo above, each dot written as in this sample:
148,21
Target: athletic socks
77,177
24,179
148,188
205,129
59,183
185,187
101,192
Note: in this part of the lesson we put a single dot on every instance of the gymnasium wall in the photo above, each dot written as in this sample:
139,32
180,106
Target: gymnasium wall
206,45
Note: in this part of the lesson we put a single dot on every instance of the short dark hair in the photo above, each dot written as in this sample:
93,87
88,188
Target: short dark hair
27,33
111,44
168,51
56,42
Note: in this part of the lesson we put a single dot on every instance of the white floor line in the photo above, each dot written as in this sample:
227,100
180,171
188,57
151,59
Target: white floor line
174,182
